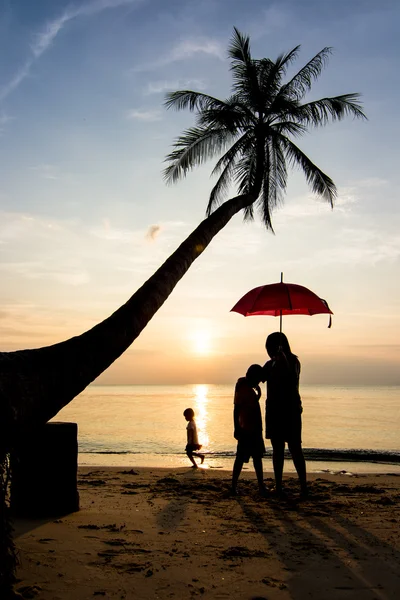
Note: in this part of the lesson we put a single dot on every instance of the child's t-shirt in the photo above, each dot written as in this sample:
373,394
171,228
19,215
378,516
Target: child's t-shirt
249,413
192,433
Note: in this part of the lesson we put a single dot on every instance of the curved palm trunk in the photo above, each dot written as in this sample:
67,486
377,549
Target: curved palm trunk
35,384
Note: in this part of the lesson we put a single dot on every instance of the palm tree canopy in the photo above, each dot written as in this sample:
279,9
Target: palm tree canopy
253,131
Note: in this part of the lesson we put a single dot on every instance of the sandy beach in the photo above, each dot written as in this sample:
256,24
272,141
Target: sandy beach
146,533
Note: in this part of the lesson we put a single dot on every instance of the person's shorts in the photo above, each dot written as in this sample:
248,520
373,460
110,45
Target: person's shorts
288,430
192,448
250,446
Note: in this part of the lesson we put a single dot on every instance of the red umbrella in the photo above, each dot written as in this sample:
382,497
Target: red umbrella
279,299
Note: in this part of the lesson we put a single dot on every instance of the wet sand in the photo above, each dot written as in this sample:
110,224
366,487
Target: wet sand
147,533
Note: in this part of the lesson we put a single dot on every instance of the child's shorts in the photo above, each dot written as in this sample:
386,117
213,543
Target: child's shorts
192,448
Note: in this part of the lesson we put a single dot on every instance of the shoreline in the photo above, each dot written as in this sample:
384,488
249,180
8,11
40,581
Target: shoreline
226,463
176,533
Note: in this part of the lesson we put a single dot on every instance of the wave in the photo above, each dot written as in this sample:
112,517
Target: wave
351,455
310,454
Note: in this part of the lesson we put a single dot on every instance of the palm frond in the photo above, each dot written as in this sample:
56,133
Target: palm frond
245,177
220,188
236,102
228,117
245,172
241,145
193,148
286,128
274,181
225,166
320,183
320,112
245,85
239,47
284,60
270,74
301,83
244,71
267,190
279,166
263,204
192,100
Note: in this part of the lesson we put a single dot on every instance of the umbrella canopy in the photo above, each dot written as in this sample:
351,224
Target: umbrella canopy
277,299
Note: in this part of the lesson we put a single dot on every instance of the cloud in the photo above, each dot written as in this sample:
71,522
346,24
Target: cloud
153,232
371,182
348,199
304,206
159,87
43,39
144,115
71,253
96,6
357,247
366,246
186,49
67,274
47,171
14,82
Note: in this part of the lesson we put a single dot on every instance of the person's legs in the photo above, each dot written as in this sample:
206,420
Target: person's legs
258,467
278,458
296,451
237,469
190,457
200,456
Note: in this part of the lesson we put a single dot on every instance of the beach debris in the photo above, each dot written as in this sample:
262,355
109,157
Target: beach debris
133,486
130,472
135,530
29,591
169,480
115,542
243,552
272,582
93,482
385,500
134,567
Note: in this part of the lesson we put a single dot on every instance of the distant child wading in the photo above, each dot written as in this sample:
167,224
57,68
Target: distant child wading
192,439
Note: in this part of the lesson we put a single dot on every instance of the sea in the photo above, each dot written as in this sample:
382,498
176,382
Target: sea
345,429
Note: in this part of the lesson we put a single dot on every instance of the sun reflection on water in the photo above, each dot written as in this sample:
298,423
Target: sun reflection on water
200,408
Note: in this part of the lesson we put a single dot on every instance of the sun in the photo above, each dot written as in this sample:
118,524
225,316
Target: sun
201,340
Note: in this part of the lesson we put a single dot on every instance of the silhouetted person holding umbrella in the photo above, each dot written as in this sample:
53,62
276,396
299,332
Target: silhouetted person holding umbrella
283,408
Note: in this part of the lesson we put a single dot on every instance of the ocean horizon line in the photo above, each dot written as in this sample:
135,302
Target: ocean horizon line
232,382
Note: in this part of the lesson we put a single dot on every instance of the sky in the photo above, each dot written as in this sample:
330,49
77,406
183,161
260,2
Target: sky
86,216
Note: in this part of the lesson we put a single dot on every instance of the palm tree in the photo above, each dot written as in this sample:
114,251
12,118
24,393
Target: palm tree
258,121
254,129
